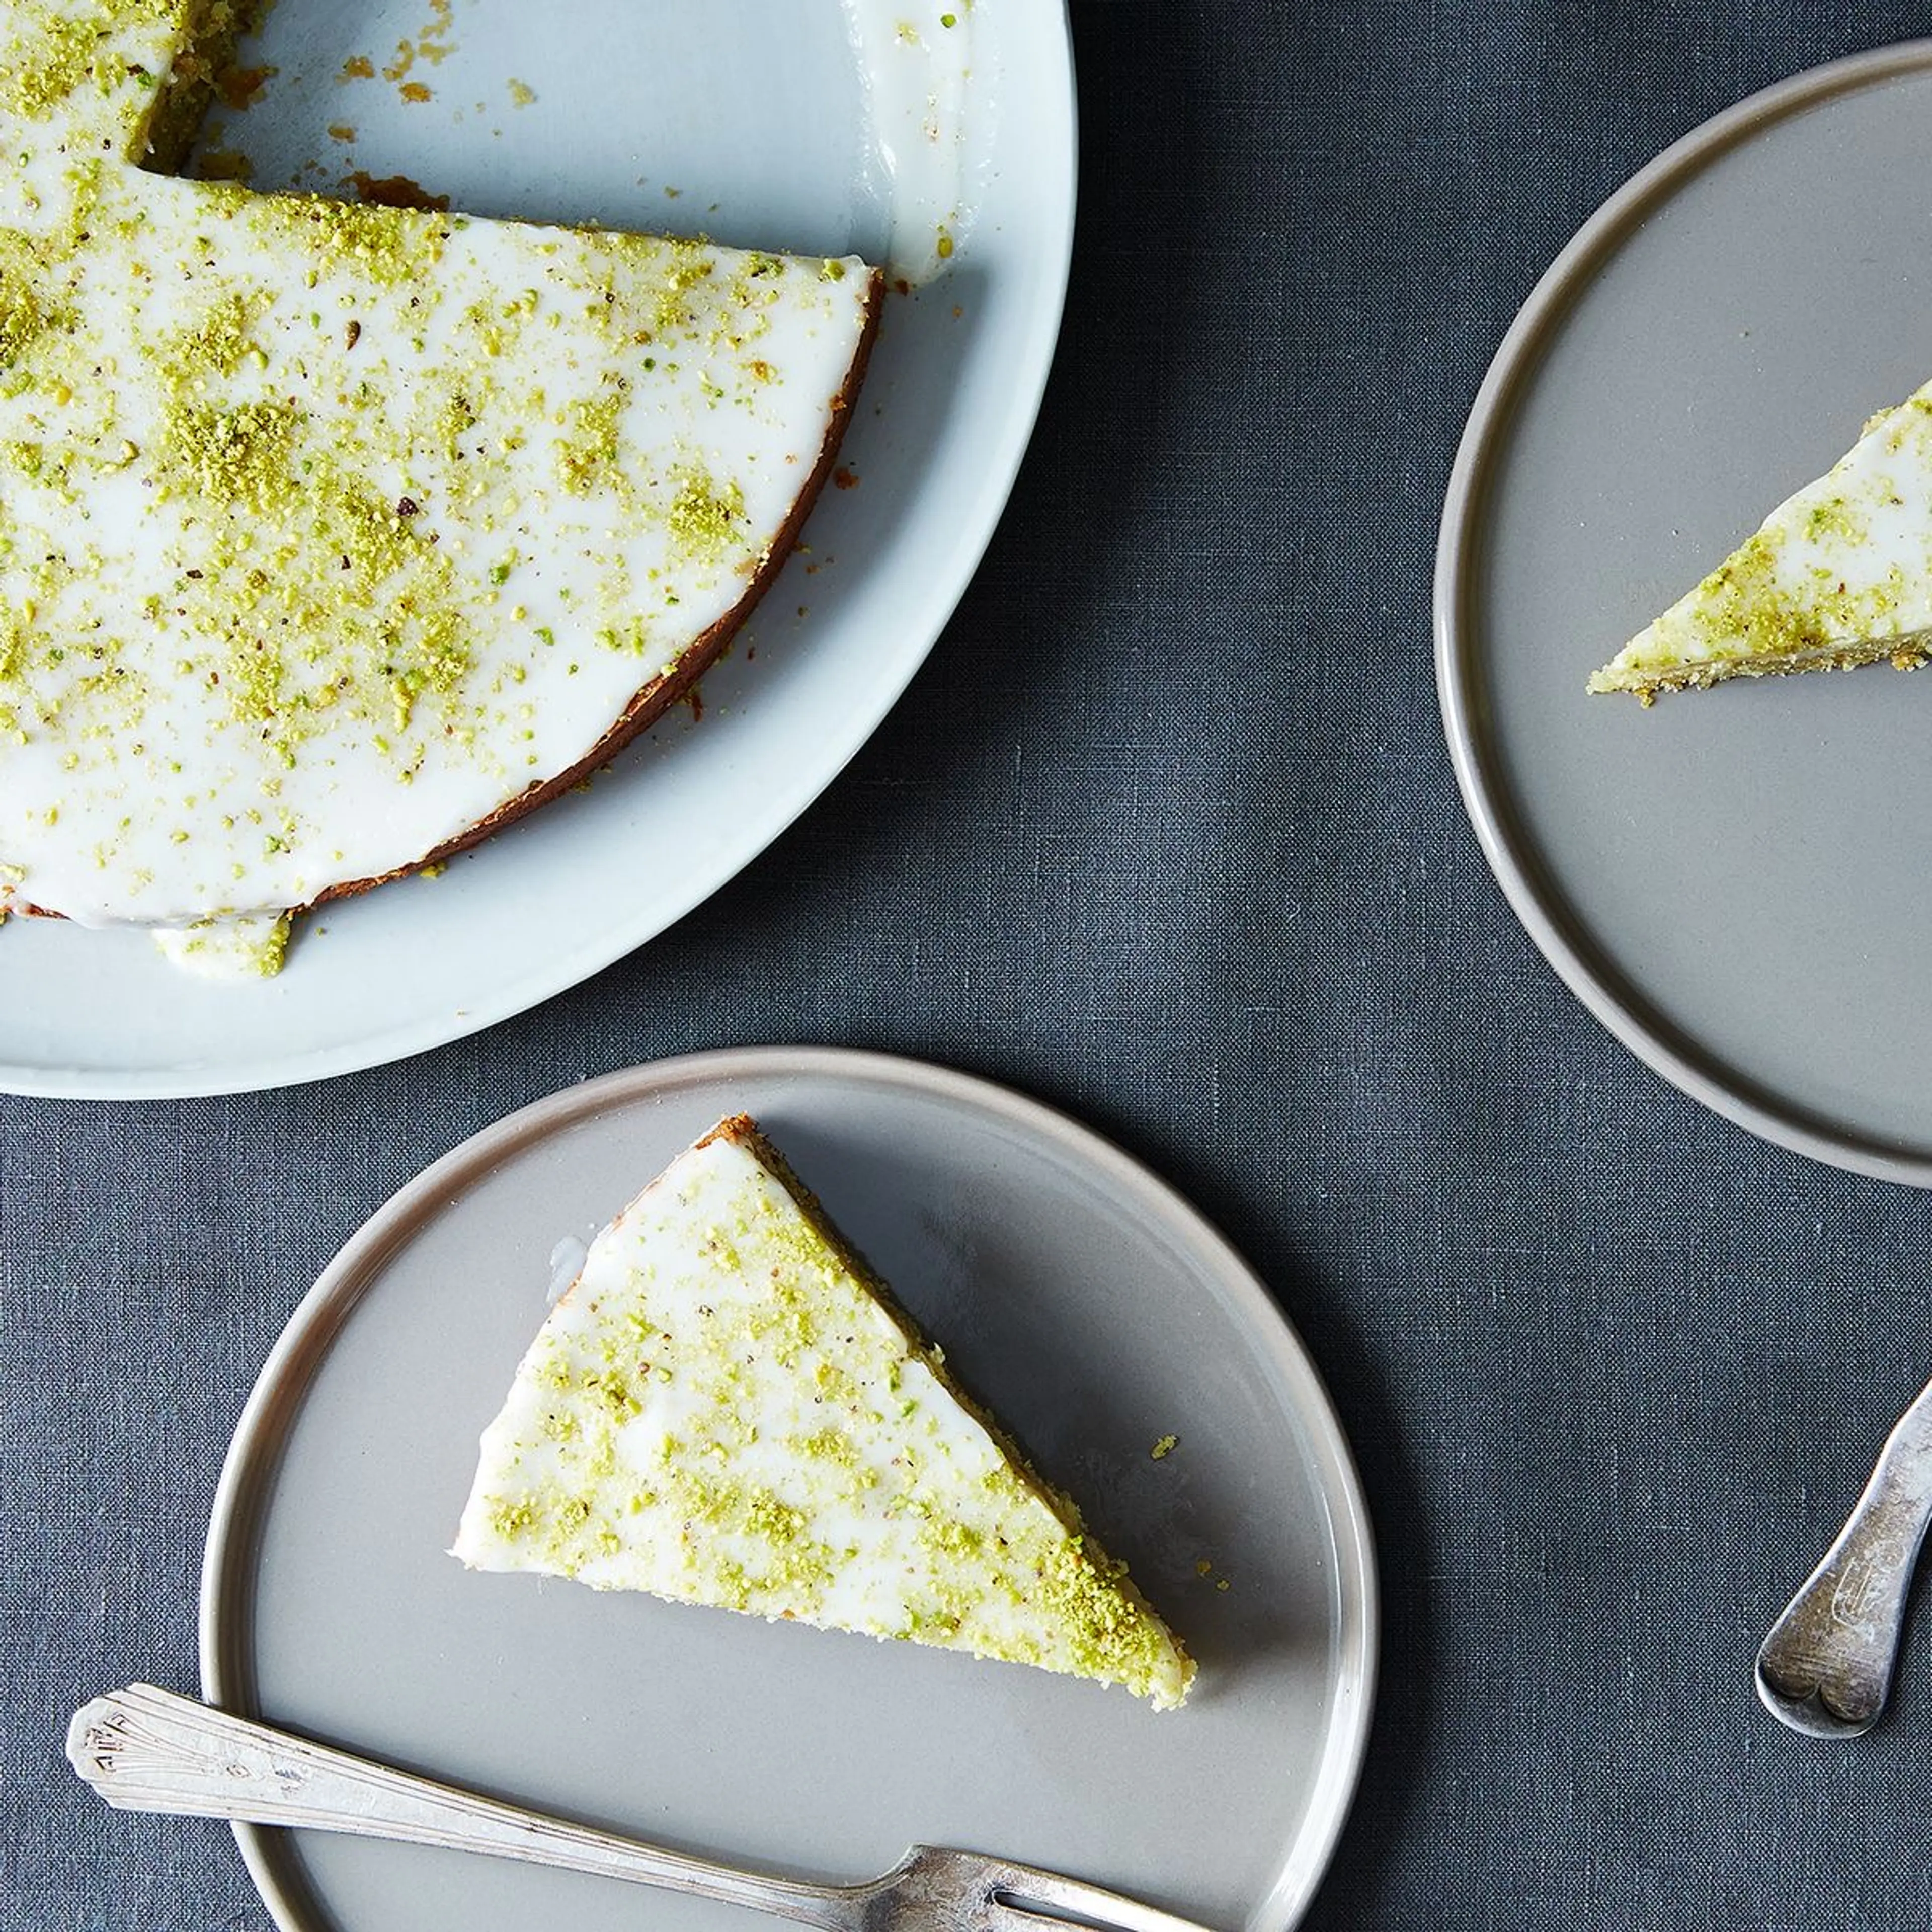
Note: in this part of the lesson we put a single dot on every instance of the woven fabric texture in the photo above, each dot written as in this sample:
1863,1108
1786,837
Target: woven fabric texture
1165,833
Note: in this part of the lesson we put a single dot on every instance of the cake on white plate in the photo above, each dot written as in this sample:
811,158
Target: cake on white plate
726,1407
1839,574
332,537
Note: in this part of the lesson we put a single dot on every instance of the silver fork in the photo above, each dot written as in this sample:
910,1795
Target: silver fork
145,1749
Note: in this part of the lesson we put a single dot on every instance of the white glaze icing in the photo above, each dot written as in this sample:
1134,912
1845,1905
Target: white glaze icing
720,1411
327,532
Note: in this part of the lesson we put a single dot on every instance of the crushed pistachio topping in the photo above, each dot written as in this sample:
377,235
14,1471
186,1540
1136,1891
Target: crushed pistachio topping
724,1409
312,513
589,455
704,517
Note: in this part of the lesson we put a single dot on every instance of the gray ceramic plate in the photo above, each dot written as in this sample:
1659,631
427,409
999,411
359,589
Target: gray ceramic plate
1090,1307
1734,882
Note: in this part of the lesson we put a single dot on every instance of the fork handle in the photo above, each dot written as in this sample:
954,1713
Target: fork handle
145,1749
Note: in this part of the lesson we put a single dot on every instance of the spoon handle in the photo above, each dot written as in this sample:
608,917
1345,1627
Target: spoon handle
1826,1665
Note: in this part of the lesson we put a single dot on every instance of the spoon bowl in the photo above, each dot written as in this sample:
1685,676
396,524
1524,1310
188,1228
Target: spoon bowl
1825,1666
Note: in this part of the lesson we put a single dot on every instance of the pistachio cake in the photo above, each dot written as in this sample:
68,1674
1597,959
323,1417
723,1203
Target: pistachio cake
333,536
1839,574
726,1407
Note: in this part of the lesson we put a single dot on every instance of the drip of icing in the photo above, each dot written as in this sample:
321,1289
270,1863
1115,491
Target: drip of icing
566,1263
916,65
242,945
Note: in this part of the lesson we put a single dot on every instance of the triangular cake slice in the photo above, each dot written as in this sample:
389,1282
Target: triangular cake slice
1839,574
334,537
726,1407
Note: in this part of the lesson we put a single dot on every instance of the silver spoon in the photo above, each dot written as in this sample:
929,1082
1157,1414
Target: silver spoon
1826,1665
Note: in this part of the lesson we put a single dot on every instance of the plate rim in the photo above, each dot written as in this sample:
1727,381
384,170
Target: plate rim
225,1610
1486,798
974,523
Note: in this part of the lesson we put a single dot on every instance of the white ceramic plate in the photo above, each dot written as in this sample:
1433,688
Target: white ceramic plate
1085,1302
753,121
1731,881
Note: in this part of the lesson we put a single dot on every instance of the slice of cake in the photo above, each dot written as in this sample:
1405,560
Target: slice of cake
1839,574
333,537
726,1407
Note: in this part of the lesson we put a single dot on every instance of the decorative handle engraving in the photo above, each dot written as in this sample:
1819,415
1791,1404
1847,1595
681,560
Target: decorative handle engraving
1826,1665
145,1749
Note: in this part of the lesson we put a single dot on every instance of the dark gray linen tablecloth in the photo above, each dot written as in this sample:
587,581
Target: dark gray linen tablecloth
1165,834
